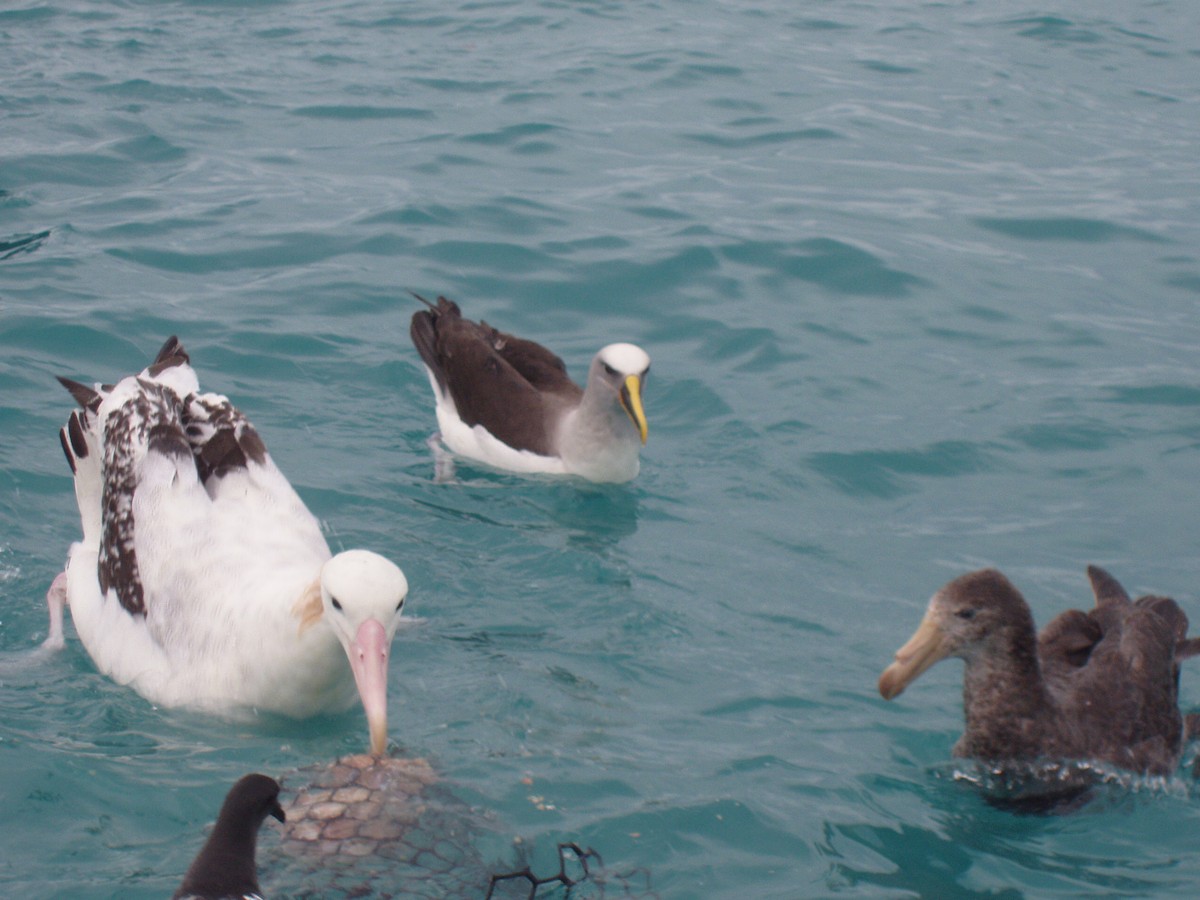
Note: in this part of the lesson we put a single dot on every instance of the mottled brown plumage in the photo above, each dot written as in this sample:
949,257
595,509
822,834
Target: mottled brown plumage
206,430
1101,685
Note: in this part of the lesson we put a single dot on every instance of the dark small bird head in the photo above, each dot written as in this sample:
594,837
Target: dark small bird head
253,798
225,866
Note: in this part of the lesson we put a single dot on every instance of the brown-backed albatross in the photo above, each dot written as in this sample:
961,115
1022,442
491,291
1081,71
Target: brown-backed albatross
1100,686
508,402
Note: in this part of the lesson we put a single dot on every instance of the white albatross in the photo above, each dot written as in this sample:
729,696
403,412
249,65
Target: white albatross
202,580
508,402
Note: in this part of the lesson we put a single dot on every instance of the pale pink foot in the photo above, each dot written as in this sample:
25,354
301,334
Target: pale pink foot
56,598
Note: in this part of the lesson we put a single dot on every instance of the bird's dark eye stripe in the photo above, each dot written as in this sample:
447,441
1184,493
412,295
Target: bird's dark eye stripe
400,605
336,604
609,369
966,614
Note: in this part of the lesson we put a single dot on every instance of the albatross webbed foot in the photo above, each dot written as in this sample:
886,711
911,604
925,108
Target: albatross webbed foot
443,460
56,598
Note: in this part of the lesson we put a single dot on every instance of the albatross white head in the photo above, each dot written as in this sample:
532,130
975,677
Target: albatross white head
623,368
362,597
602,437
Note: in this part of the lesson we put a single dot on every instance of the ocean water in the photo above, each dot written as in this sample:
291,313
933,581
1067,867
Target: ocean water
920,284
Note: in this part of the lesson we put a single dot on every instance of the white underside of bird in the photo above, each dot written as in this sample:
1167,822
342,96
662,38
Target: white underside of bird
595,439
222,654
477,443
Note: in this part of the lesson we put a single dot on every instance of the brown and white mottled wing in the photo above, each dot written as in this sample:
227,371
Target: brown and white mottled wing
145,426
221,439
107,442
151,456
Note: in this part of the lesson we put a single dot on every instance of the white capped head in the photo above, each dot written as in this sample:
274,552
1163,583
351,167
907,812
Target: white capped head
362,598
623,367
627,359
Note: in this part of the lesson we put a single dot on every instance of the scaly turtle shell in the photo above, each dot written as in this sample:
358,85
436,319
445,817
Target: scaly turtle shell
373,826
356,807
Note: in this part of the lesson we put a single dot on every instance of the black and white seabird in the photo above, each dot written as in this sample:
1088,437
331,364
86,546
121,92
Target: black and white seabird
224,868
1101,685
508,402
202,580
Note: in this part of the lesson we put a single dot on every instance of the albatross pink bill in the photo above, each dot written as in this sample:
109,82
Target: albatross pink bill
369,662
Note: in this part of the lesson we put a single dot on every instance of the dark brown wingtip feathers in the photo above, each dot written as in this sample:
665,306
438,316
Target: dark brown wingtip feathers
1109,593
85,396
66,446
1188,648
1107,589
444,305
423,331
71,435
171,354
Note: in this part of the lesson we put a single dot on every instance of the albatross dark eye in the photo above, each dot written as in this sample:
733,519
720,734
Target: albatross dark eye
609,369
336,604
400,605
966,614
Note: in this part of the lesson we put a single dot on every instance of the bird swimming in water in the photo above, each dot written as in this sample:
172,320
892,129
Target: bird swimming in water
202,580
225,868
1101,685
508,402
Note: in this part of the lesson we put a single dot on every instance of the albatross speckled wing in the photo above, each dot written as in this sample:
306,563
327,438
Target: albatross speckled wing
154,434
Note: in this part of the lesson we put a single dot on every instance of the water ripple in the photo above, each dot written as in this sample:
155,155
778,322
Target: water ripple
833,264
890,473
1066,229
891,263
18,244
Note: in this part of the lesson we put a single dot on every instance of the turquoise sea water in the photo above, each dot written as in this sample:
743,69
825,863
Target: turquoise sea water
920,283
